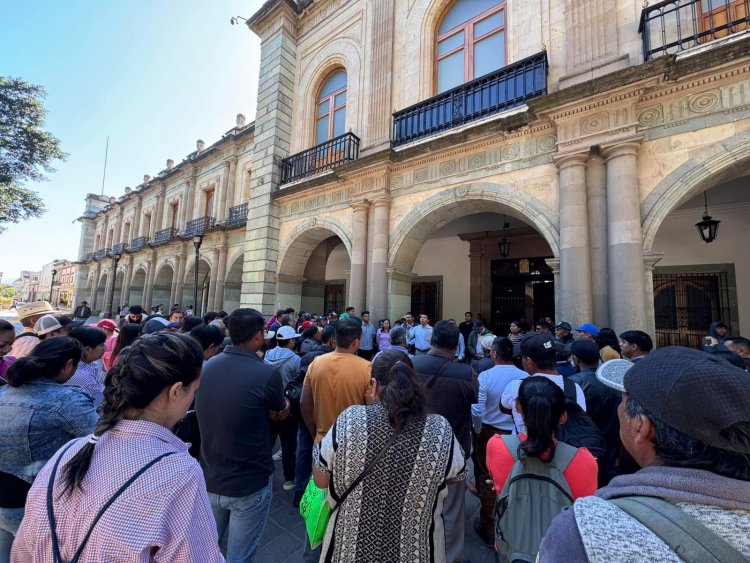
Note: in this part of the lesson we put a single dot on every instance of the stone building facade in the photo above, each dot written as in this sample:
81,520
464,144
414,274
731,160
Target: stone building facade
140,248
516,159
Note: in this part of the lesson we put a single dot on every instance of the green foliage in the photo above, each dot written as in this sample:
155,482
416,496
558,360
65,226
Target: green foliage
7,293
26,150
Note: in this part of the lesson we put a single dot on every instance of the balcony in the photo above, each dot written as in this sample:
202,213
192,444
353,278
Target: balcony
119,248
498,91
672,26
237,215
102,252
165,235
138,243
199,226
320,158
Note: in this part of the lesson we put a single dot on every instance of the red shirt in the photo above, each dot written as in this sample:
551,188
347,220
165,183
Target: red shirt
580,474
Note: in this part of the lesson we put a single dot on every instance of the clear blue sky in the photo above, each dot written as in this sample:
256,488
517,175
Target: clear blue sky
153,75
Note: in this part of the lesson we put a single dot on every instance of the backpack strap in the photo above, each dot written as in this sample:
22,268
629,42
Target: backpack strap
512,441
564,454
56,555
569,387
435,377
689,538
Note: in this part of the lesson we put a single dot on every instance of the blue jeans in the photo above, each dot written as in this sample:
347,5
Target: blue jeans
242,520
10,520
303,468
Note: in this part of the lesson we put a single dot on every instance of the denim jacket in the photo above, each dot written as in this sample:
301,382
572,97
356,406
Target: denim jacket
37,419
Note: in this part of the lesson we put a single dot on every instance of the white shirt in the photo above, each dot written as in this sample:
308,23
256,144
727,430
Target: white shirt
492,383
511,394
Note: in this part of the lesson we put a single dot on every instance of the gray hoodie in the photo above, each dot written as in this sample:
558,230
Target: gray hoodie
287,360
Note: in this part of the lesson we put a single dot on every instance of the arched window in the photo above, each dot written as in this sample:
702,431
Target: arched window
470,42
330,108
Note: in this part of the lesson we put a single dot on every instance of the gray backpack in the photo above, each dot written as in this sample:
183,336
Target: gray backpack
534,493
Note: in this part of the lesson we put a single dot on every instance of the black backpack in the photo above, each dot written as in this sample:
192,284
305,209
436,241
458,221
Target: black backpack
579,431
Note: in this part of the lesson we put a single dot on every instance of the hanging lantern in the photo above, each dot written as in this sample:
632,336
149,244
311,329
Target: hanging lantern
504,245
708,227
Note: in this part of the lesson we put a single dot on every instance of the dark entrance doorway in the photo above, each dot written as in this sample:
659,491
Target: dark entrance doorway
425,298
522,290
686,304
334,298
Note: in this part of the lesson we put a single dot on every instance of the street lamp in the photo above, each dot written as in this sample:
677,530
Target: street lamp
504,245
708,227
51,283
115,259
197,241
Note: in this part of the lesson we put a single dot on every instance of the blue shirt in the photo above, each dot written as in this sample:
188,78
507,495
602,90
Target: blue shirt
368,337
38,418
420,336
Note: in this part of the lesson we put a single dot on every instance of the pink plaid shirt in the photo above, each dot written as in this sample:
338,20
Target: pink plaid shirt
86,377
164,515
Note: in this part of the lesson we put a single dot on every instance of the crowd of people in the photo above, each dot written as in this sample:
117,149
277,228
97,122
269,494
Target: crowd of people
153,438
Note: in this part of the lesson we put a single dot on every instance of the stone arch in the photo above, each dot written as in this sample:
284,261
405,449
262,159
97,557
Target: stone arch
417,226
138,286
343,53
233,283
718,163
162,285
100,290
305,238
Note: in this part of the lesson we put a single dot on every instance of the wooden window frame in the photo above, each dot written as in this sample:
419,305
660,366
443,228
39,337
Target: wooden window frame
468,46
331,107
209,193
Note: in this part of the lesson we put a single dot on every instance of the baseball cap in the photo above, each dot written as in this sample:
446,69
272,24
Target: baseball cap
46,324
106,324
486,341
155,325
539,347
67,322
586,350
477,323
588,327
564,326
666,383
285,333
306,324
268,334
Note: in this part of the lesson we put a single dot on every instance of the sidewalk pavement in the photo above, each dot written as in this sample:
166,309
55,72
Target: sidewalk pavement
283,537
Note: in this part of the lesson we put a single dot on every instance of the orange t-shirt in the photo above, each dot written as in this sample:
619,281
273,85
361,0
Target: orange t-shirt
581,473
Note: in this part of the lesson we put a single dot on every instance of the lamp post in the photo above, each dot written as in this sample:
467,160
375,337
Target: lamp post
197,241
51,283
115,259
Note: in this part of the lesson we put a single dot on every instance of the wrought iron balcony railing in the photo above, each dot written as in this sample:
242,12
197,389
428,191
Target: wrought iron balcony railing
237,215
199,226
138,243
164,235
320,157
102,252
673,26
498,91
119,248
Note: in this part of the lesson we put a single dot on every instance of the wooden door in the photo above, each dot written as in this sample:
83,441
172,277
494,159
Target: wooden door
720,18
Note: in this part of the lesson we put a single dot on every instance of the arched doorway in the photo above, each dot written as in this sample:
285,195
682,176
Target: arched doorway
312,267
163,287
101,294
200,305
137,287
695,283
233,286
117,299
474,248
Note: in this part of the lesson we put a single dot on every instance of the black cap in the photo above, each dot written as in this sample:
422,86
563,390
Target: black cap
696,393
564,326
477,323
539,347
586,350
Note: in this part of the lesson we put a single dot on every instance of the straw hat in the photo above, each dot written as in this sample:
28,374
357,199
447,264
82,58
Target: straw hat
35,308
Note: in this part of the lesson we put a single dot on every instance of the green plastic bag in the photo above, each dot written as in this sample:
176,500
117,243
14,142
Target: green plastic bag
316,512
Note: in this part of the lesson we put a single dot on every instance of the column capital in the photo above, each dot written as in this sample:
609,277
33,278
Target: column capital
361,206
230,160
650,259
567,160
382,201
394,274
622,148
553,263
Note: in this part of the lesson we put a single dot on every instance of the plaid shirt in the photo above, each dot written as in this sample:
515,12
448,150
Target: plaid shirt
163,516
87,378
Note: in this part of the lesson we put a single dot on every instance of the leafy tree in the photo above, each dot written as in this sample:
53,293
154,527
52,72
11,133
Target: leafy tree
26,149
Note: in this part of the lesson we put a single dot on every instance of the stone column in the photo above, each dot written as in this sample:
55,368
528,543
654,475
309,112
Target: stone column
575,261
554,264
95,287
119,228
173,288
358,276
596,187
476,254
149,289
221,278
222,194
627,282
380,244
180,278
158,219
273,126
109,290
135,228
649,263
88,232
125,295
380,72
212,280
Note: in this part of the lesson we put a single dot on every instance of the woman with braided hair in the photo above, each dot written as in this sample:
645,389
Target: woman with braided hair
130,491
